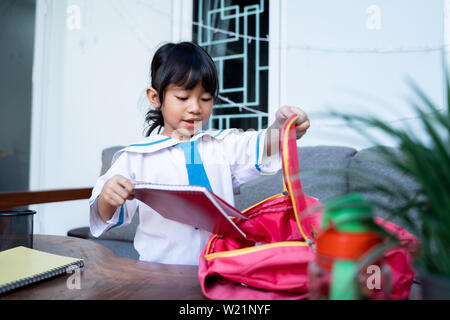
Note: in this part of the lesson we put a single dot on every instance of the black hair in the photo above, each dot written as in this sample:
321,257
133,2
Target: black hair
184,64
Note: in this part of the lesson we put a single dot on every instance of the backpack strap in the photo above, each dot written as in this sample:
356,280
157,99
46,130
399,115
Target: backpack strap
291,170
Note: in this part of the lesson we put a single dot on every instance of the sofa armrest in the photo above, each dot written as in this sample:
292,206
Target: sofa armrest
82,233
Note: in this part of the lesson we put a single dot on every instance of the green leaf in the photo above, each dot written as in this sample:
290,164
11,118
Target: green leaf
427,163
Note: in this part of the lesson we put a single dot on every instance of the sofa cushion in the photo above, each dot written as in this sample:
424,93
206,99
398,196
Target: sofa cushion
323,170
369,168
321,175
107,155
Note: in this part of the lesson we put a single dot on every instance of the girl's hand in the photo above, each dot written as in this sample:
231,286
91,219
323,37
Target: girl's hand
117,190
301,125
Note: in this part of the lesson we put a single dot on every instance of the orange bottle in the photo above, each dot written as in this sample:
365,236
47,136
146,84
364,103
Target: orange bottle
348,235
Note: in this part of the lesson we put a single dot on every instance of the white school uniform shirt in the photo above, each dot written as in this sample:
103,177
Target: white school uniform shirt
230,158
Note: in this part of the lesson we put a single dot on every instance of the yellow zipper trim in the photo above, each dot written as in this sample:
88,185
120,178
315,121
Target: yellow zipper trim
238,252
209,244
270,198
289,185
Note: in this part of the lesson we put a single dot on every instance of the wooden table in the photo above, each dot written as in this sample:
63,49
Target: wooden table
107,276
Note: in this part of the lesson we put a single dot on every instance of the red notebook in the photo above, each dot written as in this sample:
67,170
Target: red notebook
193,205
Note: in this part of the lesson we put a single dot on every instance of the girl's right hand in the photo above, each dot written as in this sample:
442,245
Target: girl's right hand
117,190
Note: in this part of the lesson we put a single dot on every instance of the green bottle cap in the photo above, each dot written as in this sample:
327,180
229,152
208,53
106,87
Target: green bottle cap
350,213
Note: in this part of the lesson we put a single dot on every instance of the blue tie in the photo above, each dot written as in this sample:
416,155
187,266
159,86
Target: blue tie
194,165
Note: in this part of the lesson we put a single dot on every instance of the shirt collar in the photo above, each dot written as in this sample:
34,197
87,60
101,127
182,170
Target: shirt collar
158,142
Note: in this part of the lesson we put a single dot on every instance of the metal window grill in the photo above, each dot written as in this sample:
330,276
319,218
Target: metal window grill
230,31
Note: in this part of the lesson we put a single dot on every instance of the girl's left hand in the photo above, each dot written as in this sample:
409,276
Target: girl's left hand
301,125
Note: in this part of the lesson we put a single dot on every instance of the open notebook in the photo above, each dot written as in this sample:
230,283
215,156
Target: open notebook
21,266
193,205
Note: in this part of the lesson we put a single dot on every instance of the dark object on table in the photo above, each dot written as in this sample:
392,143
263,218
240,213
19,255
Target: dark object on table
16,228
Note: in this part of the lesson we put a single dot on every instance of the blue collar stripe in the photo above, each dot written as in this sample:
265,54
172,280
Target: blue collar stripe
149,144
219,133
257,153
194,165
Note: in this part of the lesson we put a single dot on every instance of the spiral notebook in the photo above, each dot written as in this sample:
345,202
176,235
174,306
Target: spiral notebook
193,205
21,266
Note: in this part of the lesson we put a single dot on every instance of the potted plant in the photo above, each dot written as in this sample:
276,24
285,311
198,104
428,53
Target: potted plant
425,158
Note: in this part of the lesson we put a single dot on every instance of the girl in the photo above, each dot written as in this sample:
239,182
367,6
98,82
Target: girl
184,87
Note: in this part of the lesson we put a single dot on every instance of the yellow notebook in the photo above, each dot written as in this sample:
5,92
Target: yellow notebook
21,266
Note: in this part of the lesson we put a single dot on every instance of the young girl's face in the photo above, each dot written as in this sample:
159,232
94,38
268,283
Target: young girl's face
185,111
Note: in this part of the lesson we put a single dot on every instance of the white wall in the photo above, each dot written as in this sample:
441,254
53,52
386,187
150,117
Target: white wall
366,83
88,92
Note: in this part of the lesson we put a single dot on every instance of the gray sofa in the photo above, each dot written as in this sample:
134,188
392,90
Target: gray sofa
326,172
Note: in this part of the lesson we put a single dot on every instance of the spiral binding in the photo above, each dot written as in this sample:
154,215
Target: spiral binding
41,276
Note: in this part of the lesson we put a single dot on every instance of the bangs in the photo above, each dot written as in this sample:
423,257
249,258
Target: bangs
187,65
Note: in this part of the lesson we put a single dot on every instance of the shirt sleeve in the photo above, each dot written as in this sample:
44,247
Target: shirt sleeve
245,154
124,214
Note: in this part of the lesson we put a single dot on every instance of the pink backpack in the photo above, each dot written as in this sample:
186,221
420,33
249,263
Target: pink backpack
272,262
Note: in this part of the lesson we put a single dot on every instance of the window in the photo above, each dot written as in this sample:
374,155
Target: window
234,32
